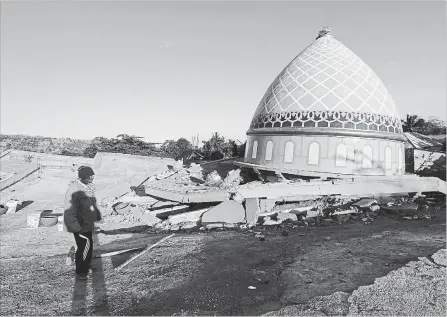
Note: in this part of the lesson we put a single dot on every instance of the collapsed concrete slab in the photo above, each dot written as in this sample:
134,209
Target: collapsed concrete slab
191,216
137,199
170,211
193,195
150,219
374,186
227,212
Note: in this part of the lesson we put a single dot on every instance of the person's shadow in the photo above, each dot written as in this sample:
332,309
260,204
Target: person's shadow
96,279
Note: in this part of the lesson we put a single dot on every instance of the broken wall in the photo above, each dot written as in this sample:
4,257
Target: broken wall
116,173
426,163
51,160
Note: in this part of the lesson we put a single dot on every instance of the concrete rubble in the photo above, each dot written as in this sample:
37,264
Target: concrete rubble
193,197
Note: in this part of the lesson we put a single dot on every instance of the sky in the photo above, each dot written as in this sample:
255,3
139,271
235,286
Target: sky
165,70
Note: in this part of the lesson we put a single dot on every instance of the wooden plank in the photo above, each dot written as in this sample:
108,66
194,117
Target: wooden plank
18,177
103,255
143,252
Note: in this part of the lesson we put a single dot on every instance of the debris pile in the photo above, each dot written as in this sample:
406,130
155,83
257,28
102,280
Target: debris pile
190,198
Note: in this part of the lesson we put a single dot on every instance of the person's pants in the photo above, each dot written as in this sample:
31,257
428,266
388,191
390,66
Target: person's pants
84,243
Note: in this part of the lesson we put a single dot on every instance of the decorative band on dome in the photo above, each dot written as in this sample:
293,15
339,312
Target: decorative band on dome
328,119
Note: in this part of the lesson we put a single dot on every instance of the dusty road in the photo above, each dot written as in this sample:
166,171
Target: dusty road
207,273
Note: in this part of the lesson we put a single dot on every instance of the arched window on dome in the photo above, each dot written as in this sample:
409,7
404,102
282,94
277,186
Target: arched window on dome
341,155
388,158
367,156
254,151
314,153
288,152
269,151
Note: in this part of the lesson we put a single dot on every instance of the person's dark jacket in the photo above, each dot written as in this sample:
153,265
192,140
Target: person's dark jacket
81,211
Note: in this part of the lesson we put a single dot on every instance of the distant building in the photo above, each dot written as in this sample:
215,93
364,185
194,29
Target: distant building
327,111
191,156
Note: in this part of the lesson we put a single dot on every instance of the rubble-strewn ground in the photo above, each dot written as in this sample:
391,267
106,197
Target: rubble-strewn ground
209,273
323,268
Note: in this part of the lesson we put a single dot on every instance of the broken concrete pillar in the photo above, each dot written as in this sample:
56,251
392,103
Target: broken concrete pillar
228,211
252,210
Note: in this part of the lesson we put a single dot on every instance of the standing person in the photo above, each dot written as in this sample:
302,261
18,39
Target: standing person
81,212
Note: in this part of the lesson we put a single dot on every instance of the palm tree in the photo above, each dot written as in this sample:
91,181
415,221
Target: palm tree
217,142
412,123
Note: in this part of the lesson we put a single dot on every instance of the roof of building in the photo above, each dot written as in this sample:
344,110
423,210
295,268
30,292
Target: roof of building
327,77
425,142
192,153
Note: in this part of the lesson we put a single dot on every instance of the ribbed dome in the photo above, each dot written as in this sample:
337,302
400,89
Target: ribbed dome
330,86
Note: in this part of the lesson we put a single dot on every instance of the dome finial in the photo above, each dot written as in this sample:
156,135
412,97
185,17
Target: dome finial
324,31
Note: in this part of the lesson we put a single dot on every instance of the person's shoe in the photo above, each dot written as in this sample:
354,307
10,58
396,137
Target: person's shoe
81,276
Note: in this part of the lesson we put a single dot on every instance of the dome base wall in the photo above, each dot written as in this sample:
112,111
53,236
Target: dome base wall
327,154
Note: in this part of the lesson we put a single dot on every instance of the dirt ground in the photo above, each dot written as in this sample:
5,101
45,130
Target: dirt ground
205,273
200,273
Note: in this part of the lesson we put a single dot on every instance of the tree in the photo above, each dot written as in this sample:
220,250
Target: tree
433,126
175,149
215,144
412,123
216,147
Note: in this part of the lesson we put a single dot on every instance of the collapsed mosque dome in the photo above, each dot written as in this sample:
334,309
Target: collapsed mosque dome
328,112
